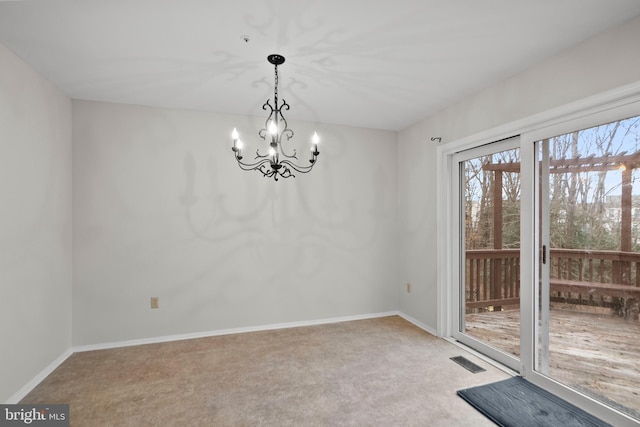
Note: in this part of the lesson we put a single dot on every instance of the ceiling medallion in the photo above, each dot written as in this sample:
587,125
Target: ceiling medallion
276,162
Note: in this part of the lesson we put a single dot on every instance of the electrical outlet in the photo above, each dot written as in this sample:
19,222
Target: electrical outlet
155,303
408,288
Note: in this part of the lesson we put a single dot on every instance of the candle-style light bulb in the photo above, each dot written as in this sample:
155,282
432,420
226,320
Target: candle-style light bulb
315,139
273,128
237,146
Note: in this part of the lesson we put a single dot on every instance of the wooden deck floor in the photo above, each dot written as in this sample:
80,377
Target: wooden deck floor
597,354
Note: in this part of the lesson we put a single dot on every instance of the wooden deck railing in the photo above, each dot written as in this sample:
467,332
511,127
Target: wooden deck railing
595,266
492,278
602,278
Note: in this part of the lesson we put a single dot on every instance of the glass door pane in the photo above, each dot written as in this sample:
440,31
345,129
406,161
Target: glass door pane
490,255
588,333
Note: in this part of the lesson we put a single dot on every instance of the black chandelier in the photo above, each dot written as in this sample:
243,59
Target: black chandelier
276,162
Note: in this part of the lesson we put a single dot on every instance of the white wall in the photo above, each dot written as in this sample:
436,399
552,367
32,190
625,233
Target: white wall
602,63
35,224
162,209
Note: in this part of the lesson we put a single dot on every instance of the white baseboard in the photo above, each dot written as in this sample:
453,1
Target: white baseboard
20,394
419,324
103,346
273,326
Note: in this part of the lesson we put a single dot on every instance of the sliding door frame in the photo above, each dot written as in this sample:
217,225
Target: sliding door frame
458,235
530,230
613,105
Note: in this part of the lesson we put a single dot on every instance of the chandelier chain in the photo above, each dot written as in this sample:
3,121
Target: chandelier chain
275,90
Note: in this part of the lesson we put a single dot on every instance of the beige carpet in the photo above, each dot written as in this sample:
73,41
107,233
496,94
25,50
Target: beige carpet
376,372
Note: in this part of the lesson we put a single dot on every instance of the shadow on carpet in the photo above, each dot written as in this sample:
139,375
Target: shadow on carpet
518,403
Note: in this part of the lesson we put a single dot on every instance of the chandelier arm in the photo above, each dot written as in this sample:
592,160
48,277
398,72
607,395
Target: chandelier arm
252,166
274,173
298,168
286,173
261,156
285,131
268,172
265,130
288,156
268,104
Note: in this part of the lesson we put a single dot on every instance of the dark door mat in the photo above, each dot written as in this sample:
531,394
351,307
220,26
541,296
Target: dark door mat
518,403
467,364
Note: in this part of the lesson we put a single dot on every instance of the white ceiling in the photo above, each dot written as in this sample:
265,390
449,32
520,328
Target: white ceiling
371,63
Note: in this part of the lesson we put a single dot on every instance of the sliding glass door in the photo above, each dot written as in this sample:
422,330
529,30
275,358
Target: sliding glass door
588,333
488,302
542,256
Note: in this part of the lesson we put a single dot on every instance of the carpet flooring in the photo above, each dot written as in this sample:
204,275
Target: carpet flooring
374,372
